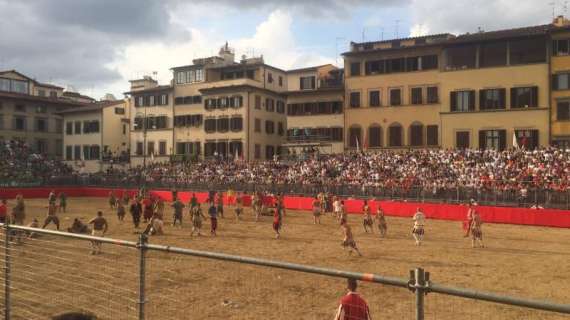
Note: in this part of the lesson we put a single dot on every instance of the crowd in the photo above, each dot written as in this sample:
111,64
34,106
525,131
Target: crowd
19,164
427,169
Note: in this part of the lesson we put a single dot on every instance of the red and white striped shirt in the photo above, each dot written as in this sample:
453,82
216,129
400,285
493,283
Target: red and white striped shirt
353,307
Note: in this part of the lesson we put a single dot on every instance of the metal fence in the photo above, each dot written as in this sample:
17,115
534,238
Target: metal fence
49,272
485,196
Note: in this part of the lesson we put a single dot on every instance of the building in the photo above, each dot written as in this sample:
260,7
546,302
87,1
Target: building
560,72
315,109
96,137
151,116
469,91
226,108
29,112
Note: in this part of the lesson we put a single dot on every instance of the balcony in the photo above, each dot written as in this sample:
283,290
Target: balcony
330,83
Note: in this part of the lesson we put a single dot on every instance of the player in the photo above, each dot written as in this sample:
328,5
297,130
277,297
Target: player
148,212
418,230
197,216
322,202
239,206
277,221
352,306
193,201
3,211
62,202
51,197
342,217
280,205
316,210
159,207
476,230
336,207
18,215
112,199
99,229
213,212
126,198
78,227
51,216
367,221
468,222
348,241
120,210
220,203
136,211
178,210
381,222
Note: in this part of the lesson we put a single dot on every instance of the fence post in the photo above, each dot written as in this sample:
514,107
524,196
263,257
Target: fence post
7,271
142,274
418,278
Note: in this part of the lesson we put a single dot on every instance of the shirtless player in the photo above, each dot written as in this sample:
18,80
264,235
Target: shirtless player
99,229
348,241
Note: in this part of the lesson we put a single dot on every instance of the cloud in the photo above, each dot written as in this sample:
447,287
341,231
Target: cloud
460,16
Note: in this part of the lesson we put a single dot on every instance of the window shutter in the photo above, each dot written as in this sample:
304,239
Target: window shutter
453,101
481,100
502,140
482,140
513,97
554,82
534,98
313,83
301,83
472,100
502,98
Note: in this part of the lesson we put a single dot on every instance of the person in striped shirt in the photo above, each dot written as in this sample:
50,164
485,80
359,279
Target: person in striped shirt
352,305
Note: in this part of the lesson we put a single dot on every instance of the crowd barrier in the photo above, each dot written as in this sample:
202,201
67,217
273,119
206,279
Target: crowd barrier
489,214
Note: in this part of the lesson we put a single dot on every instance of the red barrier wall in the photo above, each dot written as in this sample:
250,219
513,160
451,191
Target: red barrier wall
510,215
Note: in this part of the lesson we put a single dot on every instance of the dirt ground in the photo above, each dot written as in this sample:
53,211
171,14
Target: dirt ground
51,274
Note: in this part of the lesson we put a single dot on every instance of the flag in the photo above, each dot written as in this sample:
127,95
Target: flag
236,157
357,145
515,142
365,145
152,156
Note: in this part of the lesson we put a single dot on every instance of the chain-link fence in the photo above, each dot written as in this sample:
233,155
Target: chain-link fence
50,272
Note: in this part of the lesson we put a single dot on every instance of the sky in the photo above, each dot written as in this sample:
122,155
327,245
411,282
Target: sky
97,46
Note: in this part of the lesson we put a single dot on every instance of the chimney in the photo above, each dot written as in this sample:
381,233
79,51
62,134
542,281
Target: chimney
560,21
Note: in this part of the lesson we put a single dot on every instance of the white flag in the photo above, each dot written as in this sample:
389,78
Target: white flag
515,142
152,156
357,145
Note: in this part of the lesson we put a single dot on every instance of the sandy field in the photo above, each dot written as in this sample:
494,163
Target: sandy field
51,274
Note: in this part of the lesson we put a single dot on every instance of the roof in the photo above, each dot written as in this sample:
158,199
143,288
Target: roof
47,85
76,95
316,91
157,88
306,69
27,97
93,107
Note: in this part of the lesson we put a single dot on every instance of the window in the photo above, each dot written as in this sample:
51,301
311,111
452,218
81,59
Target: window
527,139
236,124
417,96
462,139
257,151
41,109
461,57
181,77
68,153
119,110
374,98
139,149
563,110
20,123
280,106
269,77
41,125
41,93
524,97
209,149
355,69
462,101
280,128
124,129
432,135
336,134
374,136
199,75
269,105
560,81
210,125
94,152
257,102
355,137
139,101
374,67
236,148
527,51
493,139
396,65
223,124
395,97
20,108
395,135
151,101
355,99
86,152
280,81
560,47
307,83
4,84
236,101
181,148
412,63
416,135
162,148
222,148
150,148
198,99
163,99
19,86
210,104
493,54
77,152
432,95
257,125
69,128
269,127
429,62
490,99
269,152
53,94
90,126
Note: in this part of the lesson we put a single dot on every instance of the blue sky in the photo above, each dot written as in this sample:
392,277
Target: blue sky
96,46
